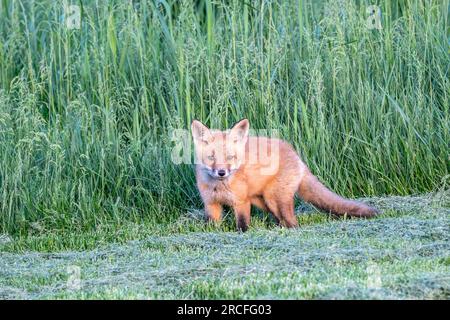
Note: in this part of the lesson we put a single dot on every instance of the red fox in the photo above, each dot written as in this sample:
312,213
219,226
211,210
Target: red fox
236,170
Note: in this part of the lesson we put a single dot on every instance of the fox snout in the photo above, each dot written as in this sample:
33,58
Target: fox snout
220,173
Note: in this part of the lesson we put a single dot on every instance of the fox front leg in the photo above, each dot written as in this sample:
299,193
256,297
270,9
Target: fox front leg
242,214
213,212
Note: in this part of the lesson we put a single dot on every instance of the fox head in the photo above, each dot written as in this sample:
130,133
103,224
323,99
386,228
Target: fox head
220,153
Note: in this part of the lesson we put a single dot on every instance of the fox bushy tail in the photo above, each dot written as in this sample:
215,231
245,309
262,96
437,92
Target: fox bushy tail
313,191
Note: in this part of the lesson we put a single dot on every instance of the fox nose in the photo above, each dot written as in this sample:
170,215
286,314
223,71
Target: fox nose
221,172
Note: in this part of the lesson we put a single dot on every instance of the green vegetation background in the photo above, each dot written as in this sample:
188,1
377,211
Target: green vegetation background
87,116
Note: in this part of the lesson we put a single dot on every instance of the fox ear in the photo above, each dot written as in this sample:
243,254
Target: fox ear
239,131
200,132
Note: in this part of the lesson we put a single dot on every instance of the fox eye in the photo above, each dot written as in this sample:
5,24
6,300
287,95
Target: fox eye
211,158
231,157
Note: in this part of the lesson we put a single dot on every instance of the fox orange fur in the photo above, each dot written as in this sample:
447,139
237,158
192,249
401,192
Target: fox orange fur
236,170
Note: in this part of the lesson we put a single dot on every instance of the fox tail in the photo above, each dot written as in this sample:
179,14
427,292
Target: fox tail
313,191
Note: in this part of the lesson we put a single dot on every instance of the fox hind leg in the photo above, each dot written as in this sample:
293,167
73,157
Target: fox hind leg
279,198
272,205
259,202
289,219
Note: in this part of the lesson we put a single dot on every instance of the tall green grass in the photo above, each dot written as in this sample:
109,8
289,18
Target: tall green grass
86,116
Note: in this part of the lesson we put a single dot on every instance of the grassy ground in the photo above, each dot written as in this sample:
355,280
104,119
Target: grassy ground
405,253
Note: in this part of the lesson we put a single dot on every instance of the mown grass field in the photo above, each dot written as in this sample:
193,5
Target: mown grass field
89,119
402,255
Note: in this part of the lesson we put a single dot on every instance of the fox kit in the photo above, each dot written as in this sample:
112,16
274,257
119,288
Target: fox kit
236,170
